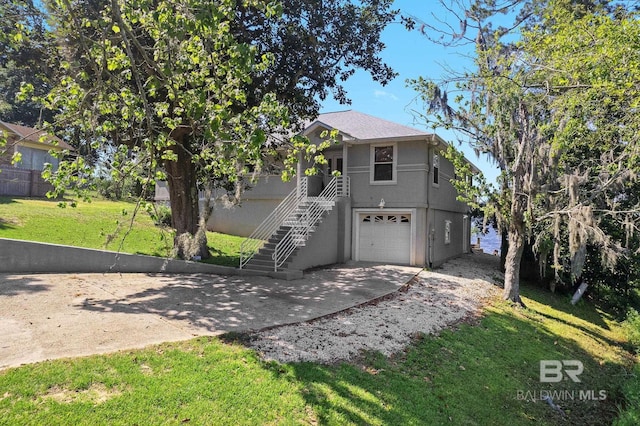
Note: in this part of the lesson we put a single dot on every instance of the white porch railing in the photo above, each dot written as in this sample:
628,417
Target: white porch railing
266,229
309,215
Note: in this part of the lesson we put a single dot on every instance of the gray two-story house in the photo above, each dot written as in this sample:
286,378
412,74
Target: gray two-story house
393,202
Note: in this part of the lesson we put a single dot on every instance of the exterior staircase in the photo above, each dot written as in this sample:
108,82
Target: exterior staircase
271,247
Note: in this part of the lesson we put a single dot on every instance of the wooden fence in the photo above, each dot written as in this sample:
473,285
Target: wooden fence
22,183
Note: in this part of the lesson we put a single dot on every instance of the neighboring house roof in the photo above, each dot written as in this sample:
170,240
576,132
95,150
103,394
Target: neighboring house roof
34,135
362,126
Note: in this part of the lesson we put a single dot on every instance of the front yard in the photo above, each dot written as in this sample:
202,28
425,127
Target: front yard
101,224
484,371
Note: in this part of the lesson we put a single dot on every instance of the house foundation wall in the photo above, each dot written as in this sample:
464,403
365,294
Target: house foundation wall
241,219
330,243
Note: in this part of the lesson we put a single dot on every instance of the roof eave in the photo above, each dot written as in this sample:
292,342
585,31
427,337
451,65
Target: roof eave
346,137
438,142
408,138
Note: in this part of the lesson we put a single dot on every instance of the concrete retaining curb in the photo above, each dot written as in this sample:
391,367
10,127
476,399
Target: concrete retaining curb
17,256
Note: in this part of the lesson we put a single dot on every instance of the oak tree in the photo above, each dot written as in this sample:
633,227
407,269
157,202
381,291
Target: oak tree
200,92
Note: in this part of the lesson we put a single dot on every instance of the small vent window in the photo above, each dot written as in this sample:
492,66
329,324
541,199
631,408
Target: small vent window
447,232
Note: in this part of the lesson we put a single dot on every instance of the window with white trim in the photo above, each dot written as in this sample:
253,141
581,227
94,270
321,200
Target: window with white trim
436,170
383,163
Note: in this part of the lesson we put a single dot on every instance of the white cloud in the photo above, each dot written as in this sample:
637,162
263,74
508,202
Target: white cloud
383,94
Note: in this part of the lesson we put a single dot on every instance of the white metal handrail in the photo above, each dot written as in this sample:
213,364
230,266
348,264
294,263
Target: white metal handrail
285,209
308,218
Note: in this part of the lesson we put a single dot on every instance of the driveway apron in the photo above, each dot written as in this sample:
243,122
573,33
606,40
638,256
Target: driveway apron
48,316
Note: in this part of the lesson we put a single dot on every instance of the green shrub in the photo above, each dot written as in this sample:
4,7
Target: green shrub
161,215
119,189
630,415
632,326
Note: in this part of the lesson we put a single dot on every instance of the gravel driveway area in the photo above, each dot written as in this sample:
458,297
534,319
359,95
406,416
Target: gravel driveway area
430,302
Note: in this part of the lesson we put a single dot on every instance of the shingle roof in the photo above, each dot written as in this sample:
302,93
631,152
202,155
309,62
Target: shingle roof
363,126
33,135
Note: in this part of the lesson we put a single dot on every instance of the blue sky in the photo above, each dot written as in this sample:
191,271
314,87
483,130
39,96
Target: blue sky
411,55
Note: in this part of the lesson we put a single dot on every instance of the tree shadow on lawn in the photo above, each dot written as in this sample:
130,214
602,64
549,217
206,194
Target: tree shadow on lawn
219,258
4,224
477,265
584,310
488,373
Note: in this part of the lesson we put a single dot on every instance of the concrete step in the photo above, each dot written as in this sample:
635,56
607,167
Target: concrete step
261,268
265,263
286,274
263,256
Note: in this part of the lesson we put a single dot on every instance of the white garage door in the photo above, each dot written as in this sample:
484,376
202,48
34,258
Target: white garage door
385,238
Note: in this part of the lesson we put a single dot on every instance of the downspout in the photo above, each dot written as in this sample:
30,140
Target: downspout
430,229
346,217
432,234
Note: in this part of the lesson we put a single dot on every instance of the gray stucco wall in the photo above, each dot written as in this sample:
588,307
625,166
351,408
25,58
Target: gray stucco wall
411,177
440,251
256,205
330,243
443,196
242,219
420,248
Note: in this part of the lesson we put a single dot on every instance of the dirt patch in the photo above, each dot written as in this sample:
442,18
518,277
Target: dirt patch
96,394
10,222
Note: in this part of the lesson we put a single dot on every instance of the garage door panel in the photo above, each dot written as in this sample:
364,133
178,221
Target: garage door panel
385,238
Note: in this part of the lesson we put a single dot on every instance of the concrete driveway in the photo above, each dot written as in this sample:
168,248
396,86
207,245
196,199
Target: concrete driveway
48,316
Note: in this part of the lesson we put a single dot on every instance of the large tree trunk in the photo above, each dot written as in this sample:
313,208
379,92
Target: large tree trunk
512,265
515,237
191,239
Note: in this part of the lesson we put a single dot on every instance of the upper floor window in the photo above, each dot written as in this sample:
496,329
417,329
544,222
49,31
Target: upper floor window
383,163
436,170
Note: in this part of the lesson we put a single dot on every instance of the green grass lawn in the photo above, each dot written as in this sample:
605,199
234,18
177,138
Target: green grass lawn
101,224
477,373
